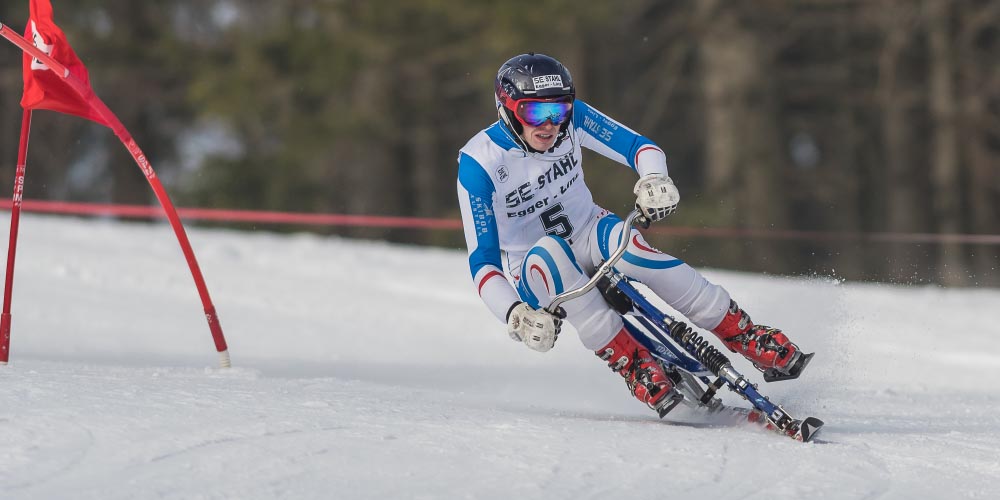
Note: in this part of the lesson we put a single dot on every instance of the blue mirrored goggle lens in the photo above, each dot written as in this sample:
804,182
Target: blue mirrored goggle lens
535,113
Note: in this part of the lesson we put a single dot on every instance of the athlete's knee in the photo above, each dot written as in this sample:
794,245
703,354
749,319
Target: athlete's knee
606,237
551,252
556,244
549,268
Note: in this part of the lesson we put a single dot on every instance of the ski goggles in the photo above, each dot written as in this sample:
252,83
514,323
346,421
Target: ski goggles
535,112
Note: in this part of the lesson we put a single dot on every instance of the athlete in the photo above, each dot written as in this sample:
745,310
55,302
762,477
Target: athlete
534,231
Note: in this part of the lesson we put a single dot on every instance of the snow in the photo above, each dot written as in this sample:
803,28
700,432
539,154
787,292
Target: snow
368,370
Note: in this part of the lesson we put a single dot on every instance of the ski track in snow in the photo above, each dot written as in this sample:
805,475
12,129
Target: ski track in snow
367,370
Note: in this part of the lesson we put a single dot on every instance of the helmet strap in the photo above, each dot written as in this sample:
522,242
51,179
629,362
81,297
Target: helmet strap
505,118
563,133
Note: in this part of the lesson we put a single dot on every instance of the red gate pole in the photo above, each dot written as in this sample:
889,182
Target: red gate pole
15,219
175,222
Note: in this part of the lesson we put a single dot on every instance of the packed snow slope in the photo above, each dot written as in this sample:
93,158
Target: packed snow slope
368,370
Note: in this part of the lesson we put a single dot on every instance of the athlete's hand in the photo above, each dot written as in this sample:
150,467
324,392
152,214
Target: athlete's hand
537,328
656,196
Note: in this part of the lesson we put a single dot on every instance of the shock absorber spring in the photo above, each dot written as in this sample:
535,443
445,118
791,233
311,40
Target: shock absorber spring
693,343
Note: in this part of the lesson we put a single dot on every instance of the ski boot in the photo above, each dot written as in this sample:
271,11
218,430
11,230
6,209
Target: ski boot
767,348
643,373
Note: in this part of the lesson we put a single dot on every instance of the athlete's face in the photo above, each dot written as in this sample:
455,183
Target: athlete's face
542,137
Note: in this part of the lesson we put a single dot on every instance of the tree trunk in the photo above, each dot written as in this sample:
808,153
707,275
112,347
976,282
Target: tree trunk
900,189
742,164
944,157
725,69
983,182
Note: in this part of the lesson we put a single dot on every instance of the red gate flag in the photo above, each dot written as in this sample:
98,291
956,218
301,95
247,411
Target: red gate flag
42,88
55,79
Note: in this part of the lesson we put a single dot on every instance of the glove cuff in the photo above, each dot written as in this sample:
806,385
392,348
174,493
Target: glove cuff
511,309
647,178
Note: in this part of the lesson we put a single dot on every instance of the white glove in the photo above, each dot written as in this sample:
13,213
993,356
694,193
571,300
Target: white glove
657,197
537,328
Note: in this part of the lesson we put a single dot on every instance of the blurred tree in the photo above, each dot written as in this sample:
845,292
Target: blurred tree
897,100
978,44
945,161
807,115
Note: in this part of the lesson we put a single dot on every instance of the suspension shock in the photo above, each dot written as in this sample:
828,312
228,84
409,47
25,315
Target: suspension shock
695,344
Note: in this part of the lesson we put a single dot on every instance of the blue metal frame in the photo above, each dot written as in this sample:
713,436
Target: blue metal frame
660,346
656,321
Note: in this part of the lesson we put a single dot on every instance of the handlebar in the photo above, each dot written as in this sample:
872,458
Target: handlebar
602,269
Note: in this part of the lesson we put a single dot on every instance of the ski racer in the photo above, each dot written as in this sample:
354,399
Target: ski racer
533,231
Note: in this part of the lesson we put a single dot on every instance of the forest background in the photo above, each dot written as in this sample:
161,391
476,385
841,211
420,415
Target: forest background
809,125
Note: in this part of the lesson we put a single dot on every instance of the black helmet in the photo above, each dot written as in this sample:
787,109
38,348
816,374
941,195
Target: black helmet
532,76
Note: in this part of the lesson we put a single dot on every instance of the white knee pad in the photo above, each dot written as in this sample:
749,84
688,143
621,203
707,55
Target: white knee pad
549,269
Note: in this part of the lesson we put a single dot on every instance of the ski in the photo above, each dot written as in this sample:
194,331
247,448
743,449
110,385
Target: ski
800,430
702,399
737,416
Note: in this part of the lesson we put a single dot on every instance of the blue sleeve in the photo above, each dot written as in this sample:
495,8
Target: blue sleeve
477,214
609,133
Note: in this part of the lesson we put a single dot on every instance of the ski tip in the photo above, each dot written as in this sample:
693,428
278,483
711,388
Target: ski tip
808,429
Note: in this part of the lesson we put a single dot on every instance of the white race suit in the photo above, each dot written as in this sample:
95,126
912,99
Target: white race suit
537,210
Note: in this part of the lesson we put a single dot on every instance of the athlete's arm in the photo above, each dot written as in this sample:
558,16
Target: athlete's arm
475,197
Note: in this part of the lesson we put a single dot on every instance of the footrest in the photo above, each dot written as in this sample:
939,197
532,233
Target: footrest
773,375
669,403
